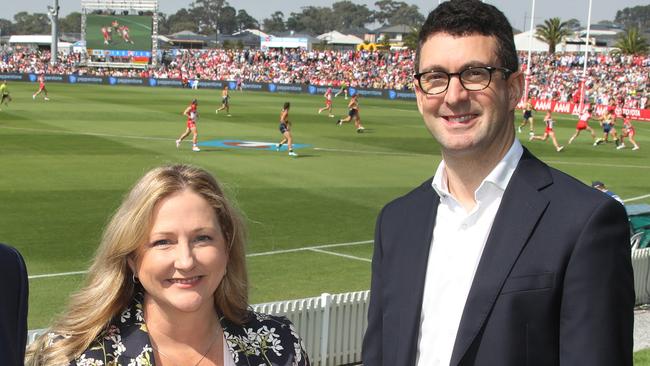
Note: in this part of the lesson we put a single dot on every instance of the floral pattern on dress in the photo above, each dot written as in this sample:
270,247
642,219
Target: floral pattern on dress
263,340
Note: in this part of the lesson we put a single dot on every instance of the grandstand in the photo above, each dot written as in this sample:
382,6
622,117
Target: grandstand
554,78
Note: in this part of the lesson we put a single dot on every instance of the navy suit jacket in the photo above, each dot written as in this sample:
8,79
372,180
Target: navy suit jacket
554,285
13,307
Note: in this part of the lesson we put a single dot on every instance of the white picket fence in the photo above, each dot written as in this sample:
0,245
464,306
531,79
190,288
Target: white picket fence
641,266
332,326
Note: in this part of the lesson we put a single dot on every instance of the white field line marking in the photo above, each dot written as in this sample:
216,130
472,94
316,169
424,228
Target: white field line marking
636,198
56,274
340,255
324,246
314,248
87,133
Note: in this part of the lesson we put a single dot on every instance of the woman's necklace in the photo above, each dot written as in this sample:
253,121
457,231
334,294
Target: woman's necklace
202,356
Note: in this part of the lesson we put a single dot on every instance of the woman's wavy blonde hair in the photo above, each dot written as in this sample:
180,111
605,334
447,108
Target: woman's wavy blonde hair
108,287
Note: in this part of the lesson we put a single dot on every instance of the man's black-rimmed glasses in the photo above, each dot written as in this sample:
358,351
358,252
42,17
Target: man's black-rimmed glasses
473,78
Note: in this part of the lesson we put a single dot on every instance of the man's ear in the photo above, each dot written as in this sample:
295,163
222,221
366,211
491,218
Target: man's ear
515,89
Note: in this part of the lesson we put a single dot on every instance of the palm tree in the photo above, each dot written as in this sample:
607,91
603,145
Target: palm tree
552,32
631,42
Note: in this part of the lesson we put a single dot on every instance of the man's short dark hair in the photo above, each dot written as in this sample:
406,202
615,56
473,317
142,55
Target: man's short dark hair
471,17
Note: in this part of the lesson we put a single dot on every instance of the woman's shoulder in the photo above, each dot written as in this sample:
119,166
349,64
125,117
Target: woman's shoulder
123,340
266,336
262,319
259,321
117,346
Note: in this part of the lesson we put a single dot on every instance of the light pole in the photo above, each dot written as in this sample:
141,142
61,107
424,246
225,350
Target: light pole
584,66
54,16
530,50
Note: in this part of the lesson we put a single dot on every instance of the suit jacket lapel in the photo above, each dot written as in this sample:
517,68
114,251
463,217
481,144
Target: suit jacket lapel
414,258
521,207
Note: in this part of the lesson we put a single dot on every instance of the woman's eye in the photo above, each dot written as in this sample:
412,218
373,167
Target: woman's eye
202,238
160,242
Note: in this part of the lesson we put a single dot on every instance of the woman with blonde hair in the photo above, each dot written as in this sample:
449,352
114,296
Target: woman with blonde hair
168,286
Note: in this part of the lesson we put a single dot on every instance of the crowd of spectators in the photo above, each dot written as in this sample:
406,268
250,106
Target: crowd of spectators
552,76
558,76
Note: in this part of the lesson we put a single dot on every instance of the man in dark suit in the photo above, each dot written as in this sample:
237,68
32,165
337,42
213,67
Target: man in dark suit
498,260
13,307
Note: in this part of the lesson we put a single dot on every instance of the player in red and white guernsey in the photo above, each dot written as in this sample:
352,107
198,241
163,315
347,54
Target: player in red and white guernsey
629,132
548,120
124,32
192,114
328,102
41,87
583,124
107,34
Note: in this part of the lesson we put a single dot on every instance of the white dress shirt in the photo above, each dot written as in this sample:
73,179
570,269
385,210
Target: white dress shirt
458,241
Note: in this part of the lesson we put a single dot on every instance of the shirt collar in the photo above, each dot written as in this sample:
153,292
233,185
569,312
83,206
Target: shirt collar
499,176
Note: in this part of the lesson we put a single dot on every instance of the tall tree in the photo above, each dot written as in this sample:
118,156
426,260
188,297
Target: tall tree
6,27
350,15
275,23
163,23
312,19
573,24
552,32
71,23
638,16
246,21
631,42
398,12
206,14
37,23
407,15
227,23
180,21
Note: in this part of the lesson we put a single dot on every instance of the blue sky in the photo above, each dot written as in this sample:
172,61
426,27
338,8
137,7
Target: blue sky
515,10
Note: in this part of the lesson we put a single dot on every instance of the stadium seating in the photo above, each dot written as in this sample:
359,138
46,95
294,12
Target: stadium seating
557,77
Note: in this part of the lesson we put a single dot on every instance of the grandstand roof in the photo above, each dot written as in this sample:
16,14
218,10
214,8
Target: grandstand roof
522,41
292,34
256,32
189,36
335,37
400,28
37,40
31,39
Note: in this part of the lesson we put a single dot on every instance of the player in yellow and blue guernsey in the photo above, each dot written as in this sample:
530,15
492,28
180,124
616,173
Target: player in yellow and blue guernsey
285,130
225,101
4,92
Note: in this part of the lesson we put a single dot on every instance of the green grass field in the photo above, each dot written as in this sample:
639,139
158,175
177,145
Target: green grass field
642,358
66,164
